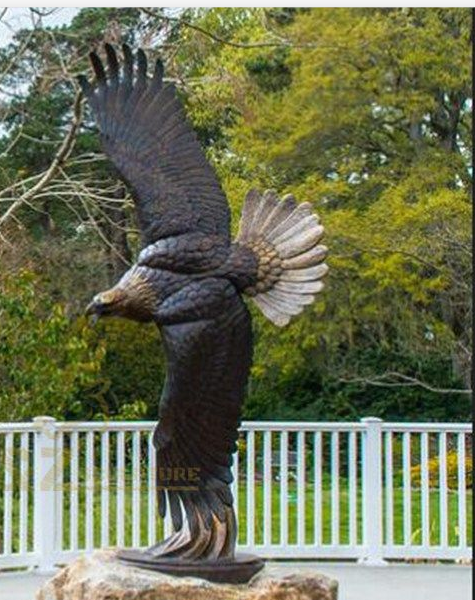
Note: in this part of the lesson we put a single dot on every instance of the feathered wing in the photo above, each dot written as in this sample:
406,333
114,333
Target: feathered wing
146,134
208,367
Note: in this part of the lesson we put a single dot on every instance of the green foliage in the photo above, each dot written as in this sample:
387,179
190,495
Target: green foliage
362,131
132,372
47,361
52,363
452,472
270,70
366,113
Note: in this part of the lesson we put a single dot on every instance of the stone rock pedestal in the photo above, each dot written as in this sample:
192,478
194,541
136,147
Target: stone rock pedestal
102,577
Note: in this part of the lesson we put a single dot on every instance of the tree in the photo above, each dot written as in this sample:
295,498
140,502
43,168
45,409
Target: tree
374,128
364,112
47,362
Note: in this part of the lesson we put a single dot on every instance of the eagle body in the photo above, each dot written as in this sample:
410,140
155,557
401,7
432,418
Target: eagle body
189,279
186,277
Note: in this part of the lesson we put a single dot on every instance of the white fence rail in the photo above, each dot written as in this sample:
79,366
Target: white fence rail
368,490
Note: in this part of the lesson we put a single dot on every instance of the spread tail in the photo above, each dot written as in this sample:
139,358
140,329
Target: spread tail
284,236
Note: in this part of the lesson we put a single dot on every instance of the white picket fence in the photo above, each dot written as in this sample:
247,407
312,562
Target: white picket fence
368,490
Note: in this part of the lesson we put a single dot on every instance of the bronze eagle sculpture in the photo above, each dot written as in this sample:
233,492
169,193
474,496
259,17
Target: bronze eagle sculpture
189,279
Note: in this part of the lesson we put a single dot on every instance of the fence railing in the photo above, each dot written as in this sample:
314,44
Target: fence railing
369,490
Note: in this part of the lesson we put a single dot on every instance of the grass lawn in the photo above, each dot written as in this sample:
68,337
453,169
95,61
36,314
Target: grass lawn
343,507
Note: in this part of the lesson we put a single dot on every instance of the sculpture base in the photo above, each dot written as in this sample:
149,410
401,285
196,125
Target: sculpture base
103,577
238,570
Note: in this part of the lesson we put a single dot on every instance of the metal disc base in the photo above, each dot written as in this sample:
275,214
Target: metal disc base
239,569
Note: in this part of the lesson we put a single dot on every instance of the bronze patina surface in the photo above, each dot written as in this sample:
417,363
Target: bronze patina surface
238,569
189,280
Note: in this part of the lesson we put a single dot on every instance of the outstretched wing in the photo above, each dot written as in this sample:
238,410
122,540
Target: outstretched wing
145,133
208,368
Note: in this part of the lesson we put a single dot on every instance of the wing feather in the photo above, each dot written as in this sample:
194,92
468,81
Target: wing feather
145,133
208,365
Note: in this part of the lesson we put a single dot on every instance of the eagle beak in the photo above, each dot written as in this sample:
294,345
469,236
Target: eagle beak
102,304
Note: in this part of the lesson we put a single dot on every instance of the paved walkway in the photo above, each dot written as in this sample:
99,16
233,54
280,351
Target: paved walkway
394,582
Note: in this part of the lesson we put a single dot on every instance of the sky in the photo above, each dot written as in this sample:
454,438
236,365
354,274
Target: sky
20,18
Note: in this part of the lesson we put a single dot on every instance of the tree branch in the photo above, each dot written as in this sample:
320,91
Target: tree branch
402,380
220,40
60,157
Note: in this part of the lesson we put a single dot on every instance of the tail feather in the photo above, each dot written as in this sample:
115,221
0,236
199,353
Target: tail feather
284,236
248,212
305,287
300,227
279,213
294,218
308,274
312,257
300,243
268,202
270,310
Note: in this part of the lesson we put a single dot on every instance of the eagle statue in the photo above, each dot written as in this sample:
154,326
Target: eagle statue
189,279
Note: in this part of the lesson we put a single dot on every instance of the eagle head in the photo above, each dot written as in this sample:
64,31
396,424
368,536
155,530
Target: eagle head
106,303
127,301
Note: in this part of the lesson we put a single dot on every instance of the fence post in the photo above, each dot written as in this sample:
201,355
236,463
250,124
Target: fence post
372,493
44,512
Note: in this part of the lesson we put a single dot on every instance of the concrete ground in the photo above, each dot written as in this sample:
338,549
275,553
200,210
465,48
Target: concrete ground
356,582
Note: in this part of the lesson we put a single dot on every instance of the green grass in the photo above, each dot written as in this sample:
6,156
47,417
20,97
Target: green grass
275,515
307,516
